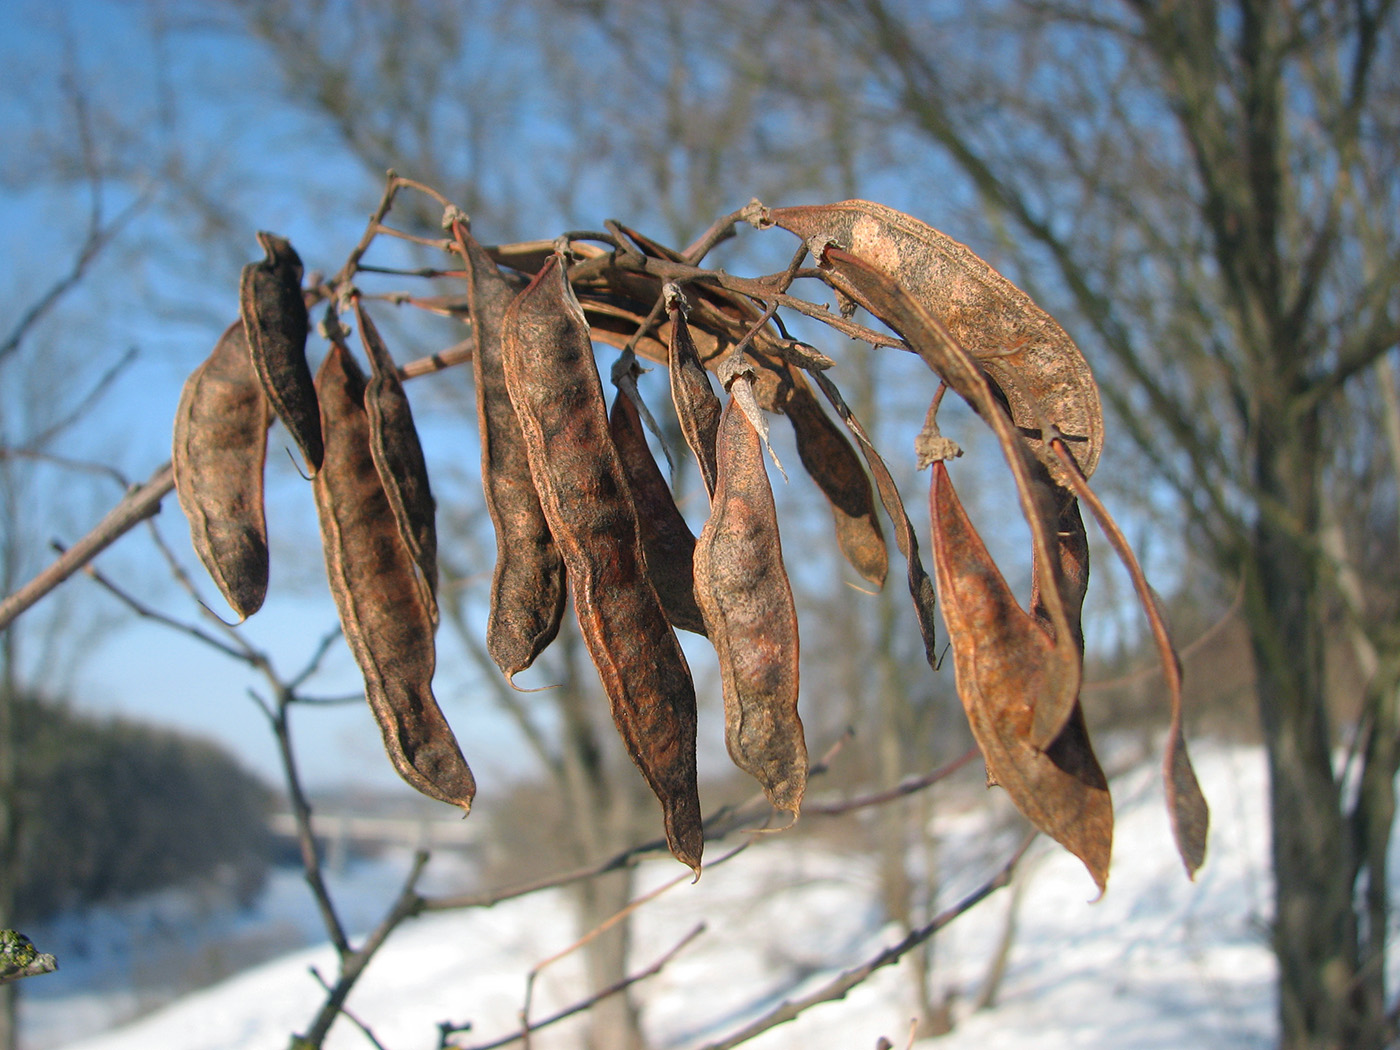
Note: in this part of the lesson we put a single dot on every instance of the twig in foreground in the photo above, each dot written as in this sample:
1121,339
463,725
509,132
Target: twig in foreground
837,988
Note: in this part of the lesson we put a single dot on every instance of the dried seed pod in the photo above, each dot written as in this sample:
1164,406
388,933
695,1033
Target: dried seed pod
1037,365
920,586
528,584
931,339
1000,657
399,456
554,385
273,312
744,592
697,407
373,577
666,538
831,462
218,455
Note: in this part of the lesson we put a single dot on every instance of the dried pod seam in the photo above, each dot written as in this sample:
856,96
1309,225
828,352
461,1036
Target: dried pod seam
218,455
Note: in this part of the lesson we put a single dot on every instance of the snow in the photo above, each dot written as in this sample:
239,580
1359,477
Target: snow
1159,962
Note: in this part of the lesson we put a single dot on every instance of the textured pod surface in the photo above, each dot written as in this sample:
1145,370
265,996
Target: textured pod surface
744,592
372,575
1000,655
831,462
666,538
398,455
218,455
1037,365
554,385
528,584
273,312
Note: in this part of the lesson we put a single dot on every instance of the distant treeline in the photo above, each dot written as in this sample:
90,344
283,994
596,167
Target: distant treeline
109,808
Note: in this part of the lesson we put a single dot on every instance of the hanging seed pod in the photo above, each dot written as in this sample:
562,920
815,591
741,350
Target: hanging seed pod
398,455
554,385
831,462
697,407
666,537
528,584
1037,365
929,338
218,456
373,578
273,312
1000,657
744,592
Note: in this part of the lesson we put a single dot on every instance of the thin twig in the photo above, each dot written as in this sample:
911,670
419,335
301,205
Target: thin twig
136,506
365,1029
838,987
905,787
597,997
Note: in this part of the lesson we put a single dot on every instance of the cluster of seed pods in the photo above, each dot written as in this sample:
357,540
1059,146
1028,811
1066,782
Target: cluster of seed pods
581,507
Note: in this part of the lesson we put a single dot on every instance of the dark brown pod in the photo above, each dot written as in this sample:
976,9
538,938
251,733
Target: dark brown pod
558,396
743,590
528,584
218,456
831,462
273,312
373,577
666,537
399,456
697,407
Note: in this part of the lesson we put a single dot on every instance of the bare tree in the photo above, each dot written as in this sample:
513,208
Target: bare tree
1210,188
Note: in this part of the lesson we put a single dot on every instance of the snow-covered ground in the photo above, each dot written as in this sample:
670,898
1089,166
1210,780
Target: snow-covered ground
1159,963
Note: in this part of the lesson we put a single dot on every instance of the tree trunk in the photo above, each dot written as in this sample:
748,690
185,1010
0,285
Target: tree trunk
1321,1002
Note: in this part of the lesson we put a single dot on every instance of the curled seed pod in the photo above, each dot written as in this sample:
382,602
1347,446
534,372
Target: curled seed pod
528,584
554,385
386,621
931,339
399,456
1000,656
831,462
218,455
744,592
666,538
273,312
697,407
1041,371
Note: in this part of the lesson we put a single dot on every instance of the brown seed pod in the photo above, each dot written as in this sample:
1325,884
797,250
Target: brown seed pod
528,584
218,455
744,592
931,339
920,586
273,312
372,575
666,537
1036,364
399,456
1000,656
697,407
831,462
554,385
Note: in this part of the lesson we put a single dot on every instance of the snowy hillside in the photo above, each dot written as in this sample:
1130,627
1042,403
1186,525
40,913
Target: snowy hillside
1159,963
